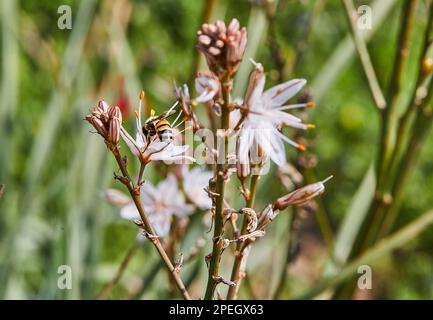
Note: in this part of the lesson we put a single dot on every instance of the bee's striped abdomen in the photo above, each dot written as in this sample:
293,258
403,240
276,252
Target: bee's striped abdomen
163,130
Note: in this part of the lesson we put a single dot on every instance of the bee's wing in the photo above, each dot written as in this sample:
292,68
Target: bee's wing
165,115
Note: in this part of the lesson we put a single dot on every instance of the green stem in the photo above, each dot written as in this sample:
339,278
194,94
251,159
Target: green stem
390,114
361,47
289,255
383,247
219,203
123,265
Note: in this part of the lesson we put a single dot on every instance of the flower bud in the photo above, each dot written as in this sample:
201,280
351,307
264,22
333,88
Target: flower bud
257,80
301,196
107,121
223,47
115,123
97,124
242,164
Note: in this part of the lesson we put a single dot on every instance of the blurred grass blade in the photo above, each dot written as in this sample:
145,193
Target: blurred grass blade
50,122
354,216
257,26
10,56
385,246
2,190
9,80
345,51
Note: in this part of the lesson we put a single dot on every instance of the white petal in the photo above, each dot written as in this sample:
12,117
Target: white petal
116,197
205,96
272,146
130,142
279,94
130,212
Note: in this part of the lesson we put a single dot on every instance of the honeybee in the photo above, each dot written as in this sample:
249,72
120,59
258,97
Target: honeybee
159,126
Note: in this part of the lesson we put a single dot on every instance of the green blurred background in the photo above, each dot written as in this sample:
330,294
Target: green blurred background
54,170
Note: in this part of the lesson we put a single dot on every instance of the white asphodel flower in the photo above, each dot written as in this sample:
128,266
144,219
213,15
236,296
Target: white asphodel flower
207,86
194,183
159,222
264,115
160,203
151,148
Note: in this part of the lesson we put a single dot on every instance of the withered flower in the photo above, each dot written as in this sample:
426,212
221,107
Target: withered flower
301,196
208,87
183,97
223,47
107,121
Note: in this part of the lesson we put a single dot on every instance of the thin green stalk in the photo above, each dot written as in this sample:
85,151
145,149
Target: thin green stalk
385,246
361,47
219,203
289,255
2,190
407,119
236,275
105,291
381,200
422,127
390,114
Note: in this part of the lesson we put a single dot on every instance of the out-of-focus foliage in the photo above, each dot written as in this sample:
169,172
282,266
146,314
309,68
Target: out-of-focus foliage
52,212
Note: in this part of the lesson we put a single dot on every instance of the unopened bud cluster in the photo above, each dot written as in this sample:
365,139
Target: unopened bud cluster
107,121
223,46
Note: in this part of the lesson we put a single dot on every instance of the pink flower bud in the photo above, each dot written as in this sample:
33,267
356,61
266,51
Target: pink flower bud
223,47
115,123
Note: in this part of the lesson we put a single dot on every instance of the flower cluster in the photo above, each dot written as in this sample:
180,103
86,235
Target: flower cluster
256,123
166,200
107,121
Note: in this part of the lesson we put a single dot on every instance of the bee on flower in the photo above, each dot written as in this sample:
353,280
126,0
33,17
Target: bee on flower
154,141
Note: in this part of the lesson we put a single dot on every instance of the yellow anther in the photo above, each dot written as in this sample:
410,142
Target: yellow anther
136,113
310,105
302,147
142,95
311,126
260,152
152,112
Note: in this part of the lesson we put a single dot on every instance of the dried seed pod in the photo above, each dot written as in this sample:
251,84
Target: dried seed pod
179,263
251,219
